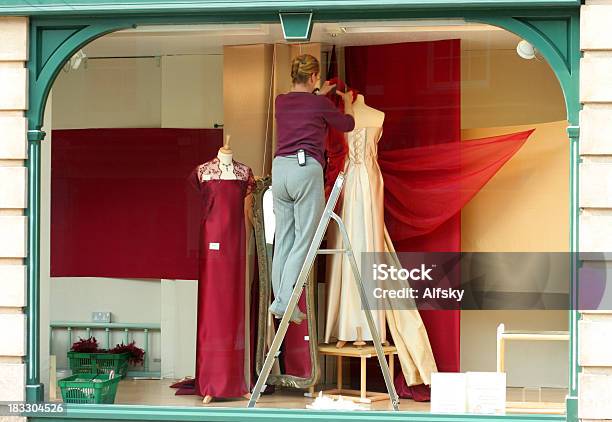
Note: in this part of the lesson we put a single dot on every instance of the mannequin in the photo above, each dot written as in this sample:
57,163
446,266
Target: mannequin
366,116
226,162
222,349
226,165
368,121
363,215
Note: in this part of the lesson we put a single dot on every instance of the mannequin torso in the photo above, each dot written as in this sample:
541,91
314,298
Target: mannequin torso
223,166
346,320
366,116
226,165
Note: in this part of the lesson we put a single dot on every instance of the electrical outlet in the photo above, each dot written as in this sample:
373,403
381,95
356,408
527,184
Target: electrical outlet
101,317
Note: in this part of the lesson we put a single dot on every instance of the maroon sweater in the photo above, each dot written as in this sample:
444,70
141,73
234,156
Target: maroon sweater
301,122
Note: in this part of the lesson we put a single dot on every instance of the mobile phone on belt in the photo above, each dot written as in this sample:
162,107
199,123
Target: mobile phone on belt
301,157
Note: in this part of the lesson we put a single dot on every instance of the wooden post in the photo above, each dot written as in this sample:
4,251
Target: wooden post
363,378
339,371
500,348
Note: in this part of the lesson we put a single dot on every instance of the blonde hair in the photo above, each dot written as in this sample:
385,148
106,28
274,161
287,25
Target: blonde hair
302,67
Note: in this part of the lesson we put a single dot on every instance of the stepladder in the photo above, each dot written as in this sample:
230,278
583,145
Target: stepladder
313,251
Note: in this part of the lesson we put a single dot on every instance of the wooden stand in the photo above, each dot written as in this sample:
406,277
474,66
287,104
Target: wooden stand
363,353
504,336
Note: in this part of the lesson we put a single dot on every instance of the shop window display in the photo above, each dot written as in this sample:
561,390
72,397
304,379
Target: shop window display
422,98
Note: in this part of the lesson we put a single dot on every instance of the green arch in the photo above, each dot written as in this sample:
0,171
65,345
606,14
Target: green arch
53,40
556,39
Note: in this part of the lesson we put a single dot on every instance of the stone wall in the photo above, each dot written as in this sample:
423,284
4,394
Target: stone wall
13,201
595,328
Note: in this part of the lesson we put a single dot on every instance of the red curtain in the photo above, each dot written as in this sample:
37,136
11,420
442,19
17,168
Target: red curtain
121,205
417,85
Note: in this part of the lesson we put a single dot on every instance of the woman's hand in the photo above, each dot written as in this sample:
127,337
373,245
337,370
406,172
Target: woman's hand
347,97
326,88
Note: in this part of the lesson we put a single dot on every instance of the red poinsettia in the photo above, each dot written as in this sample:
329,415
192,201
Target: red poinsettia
85,345
136,353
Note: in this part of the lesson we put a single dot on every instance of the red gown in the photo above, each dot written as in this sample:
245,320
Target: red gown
221,331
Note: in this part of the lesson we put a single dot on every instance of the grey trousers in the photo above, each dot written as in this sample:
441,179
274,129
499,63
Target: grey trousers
298,199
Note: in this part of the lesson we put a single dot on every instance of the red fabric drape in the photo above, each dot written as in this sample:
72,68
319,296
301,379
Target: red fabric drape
425,188
440,180
121,205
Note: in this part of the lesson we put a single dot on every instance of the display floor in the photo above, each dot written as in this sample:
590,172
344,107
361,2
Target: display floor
158,392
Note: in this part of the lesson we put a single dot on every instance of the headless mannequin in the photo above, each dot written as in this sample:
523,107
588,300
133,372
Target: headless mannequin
226,162
226,165
366,116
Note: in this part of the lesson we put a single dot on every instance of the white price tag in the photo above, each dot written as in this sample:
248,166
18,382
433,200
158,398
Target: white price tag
213,246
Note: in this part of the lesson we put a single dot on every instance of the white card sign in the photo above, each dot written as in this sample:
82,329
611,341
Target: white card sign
486,392
448,392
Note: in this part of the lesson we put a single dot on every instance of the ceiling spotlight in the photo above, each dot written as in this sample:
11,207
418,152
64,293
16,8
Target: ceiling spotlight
526,50
75,61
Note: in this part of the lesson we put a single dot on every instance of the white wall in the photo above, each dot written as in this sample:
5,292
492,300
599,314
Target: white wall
178,321
531,364
192,91
129,300
74,299
498,88
109,93
191,97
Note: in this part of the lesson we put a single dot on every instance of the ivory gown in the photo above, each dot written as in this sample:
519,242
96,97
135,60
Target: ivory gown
363,215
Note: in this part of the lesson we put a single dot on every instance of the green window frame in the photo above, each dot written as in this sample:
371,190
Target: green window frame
60,28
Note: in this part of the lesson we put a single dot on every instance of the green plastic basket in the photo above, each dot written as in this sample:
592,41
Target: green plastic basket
89,388
99,363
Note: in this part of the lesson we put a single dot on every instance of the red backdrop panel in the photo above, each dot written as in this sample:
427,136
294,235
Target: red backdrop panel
417,85
121,205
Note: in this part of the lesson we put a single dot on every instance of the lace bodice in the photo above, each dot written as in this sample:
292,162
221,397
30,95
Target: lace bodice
212,169
362,144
